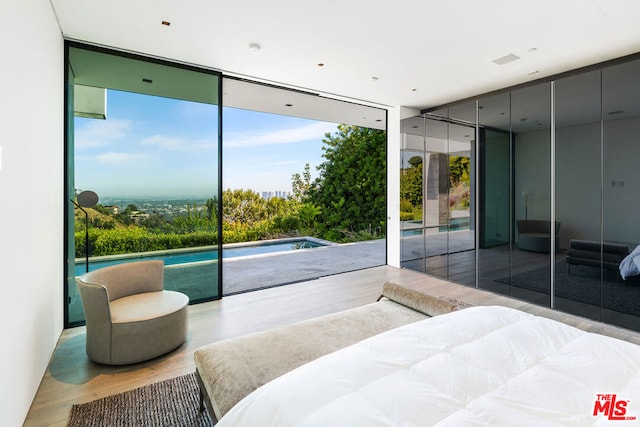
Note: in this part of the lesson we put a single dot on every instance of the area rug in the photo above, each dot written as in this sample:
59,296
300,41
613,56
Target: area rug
582,285
173,402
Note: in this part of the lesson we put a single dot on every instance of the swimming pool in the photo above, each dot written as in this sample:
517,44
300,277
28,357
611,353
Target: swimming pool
185,256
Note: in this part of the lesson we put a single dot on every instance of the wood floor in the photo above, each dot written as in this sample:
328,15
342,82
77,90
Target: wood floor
71,378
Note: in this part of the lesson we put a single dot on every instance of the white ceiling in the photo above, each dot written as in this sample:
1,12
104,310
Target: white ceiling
423,52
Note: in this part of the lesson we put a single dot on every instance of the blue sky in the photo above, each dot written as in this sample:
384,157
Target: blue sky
151,146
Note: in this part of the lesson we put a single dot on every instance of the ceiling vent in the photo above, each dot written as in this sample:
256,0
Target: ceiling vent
506,59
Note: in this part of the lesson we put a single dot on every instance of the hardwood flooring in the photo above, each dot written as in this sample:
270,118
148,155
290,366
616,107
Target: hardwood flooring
71,378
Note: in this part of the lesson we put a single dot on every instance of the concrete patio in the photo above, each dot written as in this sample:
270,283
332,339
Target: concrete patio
243,274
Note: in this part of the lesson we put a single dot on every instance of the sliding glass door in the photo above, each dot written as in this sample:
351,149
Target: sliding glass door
143,154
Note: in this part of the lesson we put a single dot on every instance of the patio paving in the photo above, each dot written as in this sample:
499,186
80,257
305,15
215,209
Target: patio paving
242,274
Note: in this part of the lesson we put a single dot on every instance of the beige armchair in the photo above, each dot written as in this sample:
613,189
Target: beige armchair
130,317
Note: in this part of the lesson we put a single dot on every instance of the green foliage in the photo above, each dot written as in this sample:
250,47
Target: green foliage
243,206
411,185
347,202
350,191
300,184
137,239
406,210
459,169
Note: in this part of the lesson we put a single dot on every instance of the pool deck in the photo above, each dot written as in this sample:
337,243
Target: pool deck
243,274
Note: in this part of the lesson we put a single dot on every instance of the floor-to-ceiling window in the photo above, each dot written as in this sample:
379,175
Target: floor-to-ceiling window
300,171
143,138
556,179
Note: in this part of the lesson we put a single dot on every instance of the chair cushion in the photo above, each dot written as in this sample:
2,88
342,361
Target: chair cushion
147,305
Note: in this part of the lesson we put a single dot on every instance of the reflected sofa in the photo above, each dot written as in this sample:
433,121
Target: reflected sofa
130,317
596,254
534,235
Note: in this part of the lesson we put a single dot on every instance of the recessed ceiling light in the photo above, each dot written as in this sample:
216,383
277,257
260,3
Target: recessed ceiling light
254,47
506,59
147,80
166,23
321,65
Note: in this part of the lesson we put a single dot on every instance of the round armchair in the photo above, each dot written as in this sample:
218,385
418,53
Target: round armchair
130,317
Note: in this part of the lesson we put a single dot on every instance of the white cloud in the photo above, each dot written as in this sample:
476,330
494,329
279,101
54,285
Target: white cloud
119,157
308,132
100,133
179,144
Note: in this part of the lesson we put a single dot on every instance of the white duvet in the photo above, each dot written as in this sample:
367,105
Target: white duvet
482,366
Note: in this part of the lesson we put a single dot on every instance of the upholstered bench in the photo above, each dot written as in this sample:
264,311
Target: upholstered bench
229,370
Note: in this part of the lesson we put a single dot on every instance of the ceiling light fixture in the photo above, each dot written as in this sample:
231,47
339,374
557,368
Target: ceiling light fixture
321,65
166,23
254,47
288,105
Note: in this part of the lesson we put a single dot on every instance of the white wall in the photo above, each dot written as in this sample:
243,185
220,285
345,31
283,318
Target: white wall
31,190
393,186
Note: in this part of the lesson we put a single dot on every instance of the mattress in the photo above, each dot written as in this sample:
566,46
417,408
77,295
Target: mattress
482,366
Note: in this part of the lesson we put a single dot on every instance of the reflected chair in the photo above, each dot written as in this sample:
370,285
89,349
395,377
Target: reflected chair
130,317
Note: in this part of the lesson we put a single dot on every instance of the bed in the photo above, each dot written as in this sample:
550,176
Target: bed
482,366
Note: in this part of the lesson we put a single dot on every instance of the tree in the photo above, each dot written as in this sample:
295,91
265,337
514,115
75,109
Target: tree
459,167
411,182
300,184
350,191
243,206
131,208
212,209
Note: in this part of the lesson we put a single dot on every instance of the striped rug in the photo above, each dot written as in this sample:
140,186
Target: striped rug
174,402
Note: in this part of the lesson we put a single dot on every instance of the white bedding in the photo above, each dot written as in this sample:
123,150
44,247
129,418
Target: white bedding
482,366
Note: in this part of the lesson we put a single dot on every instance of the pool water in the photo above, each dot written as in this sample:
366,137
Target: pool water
206,255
